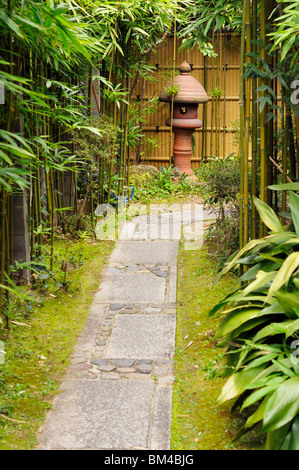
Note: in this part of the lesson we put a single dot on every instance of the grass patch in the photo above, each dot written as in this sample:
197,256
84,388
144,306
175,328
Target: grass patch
37,354
198,422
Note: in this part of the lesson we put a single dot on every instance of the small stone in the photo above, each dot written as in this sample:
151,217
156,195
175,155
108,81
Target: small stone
106,328
110,376
144,361
116,306
104,334
128,310
161,274
94,371
125,370
101,343
144,368
98,362
106,368
78,360
162,371
122,362
81,367
170,310
152,310
162,362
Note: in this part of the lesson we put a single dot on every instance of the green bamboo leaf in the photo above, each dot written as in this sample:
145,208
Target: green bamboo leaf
294,206
5,157
283,368
285,187
282,406
292,328
268,215
284,273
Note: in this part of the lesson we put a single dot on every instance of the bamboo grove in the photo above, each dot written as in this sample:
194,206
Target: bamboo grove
62,148
269,110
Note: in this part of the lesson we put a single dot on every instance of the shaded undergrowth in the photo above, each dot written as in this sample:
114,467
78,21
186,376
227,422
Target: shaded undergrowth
39,344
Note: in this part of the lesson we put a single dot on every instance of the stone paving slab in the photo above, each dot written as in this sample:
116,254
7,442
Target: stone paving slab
131,287
145,252
103,414
117,392
149,336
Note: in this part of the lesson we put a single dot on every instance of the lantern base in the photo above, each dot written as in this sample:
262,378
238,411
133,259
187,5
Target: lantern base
182,150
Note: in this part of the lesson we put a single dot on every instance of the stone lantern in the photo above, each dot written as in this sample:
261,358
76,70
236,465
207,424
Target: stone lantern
185,104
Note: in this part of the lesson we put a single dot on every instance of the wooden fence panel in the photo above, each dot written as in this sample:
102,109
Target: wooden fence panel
220,124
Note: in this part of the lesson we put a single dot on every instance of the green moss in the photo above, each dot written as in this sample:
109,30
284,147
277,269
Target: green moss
198,422
37,355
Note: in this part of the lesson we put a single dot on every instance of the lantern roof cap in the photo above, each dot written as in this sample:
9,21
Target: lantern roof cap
189,89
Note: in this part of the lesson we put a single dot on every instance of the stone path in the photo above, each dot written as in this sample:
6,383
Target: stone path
117,392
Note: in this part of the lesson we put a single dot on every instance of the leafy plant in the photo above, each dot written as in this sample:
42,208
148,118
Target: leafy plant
219,185
260,325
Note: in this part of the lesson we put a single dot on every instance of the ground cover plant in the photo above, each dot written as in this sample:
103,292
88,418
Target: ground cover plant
39,343
198,421
162,185
219,186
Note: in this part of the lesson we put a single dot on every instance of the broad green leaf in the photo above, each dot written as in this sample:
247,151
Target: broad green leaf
282,406
275,439
294,440
268,215
235,319
237,384
258,395
262,279
257,415
266,357
288,301
272,329
246,248
284,273
294,206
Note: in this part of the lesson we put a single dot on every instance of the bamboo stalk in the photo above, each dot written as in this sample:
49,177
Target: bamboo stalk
172,93
224,96
254,156
247,126
242,151
263,148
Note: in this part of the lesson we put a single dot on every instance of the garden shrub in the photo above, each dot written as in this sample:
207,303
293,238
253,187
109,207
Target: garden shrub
260,328
219,184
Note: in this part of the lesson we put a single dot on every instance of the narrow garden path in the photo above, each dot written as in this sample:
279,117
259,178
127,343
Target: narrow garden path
117,392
